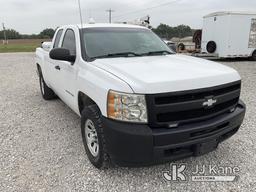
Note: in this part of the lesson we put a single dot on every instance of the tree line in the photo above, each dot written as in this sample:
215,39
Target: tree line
168,32
13,34
163,31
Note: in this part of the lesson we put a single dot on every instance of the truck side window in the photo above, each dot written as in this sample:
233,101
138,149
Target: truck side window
69,41
57,39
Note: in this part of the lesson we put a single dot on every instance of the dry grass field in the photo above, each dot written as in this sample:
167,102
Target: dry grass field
21,45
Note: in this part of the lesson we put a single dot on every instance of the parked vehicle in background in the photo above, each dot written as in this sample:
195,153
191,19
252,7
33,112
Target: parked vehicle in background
170,44
139,102
185,44
229,34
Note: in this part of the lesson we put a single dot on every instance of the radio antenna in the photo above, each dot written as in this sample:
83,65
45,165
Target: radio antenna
80,11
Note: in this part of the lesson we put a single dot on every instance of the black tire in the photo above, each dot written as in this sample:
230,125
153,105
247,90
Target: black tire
253,56
181,47
47,93
211,47
92,113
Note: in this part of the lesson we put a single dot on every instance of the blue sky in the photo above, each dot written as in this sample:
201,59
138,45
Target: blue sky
31,16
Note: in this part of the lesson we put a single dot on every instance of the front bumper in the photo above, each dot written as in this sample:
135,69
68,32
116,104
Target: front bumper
135,144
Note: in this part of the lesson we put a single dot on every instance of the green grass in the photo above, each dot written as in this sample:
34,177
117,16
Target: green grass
21,45
18,48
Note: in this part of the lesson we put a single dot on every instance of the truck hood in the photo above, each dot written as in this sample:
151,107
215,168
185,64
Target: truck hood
160,74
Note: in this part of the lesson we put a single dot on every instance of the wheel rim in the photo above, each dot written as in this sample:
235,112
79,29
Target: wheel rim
42,85
91,138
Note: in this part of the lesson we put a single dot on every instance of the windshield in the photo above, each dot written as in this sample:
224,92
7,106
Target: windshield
118,42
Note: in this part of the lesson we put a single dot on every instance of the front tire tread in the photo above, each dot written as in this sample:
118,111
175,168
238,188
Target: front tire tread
92,112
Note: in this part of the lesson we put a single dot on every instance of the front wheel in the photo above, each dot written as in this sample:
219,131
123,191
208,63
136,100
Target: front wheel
93,137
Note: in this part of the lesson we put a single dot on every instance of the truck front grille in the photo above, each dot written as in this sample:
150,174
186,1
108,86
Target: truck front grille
183,107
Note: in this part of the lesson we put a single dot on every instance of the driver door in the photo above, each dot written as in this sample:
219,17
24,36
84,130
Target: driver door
68,71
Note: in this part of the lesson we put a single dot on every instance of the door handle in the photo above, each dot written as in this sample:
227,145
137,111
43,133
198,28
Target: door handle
57,67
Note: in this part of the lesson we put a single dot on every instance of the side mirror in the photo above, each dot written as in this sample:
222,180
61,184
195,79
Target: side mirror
46,45
62,54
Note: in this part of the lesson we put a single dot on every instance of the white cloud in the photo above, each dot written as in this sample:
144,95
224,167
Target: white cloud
31,16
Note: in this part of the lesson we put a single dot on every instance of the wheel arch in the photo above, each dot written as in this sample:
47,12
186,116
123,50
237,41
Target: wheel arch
253,55
253,52
84,100
38,68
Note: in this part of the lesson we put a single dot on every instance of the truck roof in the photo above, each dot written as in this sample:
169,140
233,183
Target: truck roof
86,25
221,13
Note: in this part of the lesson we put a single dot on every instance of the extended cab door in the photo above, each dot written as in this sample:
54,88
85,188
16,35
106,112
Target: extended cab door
67,70
52,72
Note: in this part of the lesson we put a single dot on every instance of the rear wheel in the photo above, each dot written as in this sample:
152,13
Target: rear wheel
47,93
93,137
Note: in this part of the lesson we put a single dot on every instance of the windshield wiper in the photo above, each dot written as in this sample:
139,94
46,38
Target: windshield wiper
158,52
121,54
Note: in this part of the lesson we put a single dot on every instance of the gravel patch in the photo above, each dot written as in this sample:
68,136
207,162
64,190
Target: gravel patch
42,150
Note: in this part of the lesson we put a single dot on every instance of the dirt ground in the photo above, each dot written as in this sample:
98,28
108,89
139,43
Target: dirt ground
41,147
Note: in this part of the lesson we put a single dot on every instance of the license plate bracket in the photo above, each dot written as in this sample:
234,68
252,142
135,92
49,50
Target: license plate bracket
206,147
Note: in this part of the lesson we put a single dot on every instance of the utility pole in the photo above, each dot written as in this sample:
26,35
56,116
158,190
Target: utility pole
110,11
5,37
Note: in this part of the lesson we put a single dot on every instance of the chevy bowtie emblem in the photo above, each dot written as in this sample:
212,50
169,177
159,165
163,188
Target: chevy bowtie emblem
209,102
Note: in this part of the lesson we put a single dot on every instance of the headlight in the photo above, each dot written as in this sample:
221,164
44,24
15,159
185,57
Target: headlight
127,107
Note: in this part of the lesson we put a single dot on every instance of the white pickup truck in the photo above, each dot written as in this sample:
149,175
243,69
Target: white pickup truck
139,103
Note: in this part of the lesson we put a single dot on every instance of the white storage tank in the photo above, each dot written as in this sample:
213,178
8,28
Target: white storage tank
229,34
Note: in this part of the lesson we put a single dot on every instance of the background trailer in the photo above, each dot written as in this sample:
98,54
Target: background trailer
229,34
